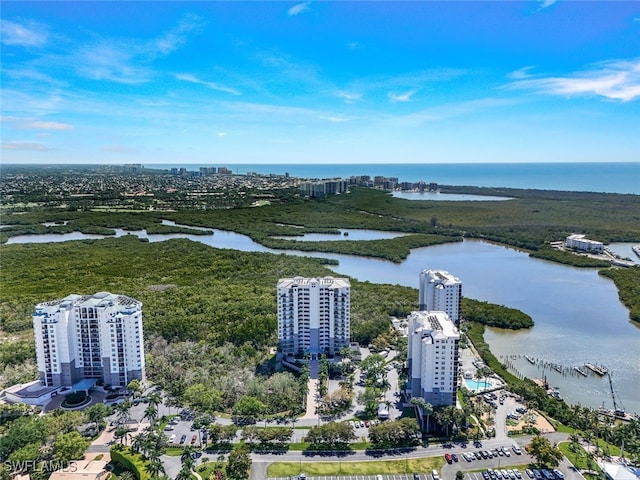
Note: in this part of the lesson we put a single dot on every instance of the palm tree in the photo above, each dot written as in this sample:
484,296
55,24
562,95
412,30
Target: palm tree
424,407
187,460
154,400
122,410
126,475
121,434
151,413
155,468
138,443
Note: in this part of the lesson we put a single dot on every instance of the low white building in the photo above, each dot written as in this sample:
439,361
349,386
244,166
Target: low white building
581,242
433,357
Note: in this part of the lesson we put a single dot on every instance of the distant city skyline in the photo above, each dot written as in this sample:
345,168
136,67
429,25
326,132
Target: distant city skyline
320,82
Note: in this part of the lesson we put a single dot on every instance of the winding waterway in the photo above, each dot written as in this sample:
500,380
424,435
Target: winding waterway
578,316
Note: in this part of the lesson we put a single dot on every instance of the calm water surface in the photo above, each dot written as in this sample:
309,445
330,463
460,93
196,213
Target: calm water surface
578,317
447,197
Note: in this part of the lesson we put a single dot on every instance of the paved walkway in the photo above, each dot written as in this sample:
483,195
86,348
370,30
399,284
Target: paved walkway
312,395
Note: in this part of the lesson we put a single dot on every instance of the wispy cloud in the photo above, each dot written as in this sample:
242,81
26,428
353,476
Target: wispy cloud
186,77
112,61
333,119
401,97
353,45
454,110
614,80
25,35
30,146
298,9
349,97
127,60
39,125
178,35
221,134
520,73
546,3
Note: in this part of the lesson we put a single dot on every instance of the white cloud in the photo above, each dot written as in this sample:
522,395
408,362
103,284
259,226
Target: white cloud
29,146
186,77
113,61
349,97
546,3
401,97
221,134
177,36
298,9
520,74
353,45
39,125
29,35
126,60
333,119
614,80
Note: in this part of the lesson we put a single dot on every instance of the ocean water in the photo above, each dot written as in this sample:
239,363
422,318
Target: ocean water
578,177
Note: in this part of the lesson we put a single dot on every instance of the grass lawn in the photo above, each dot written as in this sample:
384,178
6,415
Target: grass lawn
206,469
301,446
332,468
578,459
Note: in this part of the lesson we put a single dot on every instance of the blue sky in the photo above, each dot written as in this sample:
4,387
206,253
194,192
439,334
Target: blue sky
320,82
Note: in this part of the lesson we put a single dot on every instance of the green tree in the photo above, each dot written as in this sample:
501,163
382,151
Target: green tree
96,413
135,386
249,408
424,408
239,464
30,452
203,398
154,468
69,446
545,454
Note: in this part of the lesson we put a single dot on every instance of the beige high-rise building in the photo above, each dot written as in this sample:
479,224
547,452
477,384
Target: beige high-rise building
314,315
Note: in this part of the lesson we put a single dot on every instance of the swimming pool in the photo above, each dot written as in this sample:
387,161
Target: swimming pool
476,386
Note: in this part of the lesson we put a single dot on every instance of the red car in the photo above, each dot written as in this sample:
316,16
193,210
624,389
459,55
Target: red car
448,458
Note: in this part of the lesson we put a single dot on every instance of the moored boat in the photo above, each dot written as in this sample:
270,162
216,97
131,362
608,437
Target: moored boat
597,369
580,371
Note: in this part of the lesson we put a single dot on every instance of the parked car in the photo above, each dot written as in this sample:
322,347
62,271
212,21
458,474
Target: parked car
447,457
434,475
558,474
183,439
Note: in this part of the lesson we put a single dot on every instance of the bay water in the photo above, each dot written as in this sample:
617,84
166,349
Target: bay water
578,316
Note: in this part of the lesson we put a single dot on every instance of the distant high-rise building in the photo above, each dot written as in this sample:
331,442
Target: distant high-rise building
432,354
313,315
92,336
439,290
